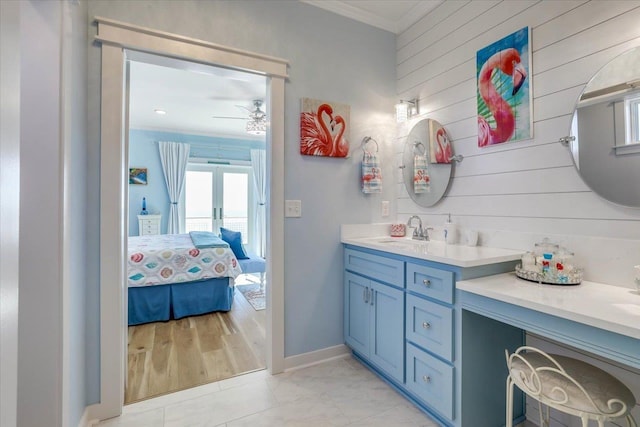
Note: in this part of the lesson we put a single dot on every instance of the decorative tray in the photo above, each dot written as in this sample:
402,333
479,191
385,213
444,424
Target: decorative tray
571,278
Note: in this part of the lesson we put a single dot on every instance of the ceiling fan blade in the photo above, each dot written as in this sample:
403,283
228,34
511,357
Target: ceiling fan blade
245,108
226,117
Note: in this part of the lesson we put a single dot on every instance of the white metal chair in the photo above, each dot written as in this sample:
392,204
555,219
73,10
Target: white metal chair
568,385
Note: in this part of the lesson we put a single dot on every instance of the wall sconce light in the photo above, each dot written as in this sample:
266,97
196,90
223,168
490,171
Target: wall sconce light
406,109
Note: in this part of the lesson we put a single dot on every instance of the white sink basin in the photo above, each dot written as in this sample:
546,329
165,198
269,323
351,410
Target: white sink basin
435,250
399,240
404,243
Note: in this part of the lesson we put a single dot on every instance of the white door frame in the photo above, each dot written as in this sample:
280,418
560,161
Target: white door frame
116,38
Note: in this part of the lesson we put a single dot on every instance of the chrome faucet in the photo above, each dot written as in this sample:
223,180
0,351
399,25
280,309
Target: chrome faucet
418,233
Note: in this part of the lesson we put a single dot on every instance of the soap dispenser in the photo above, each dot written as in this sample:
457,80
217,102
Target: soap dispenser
450,232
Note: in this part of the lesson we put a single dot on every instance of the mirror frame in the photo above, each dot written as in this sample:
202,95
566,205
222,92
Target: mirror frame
439,173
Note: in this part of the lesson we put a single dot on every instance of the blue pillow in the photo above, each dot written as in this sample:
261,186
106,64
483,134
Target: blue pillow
234,239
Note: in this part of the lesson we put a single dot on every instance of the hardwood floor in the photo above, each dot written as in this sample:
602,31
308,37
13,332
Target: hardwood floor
164,357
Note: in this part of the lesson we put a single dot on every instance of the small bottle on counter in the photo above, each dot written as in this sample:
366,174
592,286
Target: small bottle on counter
450,232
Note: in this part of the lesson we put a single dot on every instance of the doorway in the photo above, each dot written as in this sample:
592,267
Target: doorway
118,40
204,110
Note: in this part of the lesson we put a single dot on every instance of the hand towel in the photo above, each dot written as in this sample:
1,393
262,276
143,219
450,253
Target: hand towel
421,180
371,175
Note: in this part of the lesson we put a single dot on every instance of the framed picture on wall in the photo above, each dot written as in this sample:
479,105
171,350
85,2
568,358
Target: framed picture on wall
324,128
504,90
439,143
138,176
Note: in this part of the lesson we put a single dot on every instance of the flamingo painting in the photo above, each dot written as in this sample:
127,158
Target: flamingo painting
440,150
323,129
443,152
504,110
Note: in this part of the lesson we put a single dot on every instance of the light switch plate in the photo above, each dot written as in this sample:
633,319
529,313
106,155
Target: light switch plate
293,208
385,208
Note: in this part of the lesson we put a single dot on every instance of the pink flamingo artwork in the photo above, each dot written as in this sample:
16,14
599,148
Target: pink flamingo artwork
502,105
443,147
322,132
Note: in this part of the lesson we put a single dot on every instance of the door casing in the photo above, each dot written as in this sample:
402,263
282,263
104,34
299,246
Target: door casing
117,39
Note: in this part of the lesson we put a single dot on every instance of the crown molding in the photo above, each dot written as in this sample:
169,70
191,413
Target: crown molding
414,14
344,9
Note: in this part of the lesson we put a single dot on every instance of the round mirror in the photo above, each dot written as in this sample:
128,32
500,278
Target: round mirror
606,128
426,162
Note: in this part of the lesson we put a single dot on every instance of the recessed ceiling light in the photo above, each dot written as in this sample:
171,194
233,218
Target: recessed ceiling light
159,111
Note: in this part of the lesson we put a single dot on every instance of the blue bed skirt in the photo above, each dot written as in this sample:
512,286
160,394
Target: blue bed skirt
164,302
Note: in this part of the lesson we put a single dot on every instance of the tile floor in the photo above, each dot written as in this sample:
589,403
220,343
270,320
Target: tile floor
341,392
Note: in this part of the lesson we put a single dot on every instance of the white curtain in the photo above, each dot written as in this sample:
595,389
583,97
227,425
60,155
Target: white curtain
259,165
174,157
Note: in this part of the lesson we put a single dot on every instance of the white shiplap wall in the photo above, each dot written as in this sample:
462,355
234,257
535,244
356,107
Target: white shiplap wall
516,193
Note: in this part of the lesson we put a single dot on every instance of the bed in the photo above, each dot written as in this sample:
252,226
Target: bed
168,277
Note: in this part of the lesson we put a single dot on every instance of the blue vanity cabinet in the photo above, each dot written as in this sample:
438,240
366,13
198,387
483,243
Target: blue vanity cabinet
403,319
429,329
374,310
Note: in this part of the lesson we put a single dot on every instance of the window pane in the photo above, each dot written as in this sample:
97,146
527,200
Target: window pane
198,201
236,203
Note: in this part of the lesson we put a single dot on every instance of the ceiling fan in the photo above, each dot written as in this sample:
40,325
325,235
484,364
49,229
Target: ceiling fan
255,114
256,121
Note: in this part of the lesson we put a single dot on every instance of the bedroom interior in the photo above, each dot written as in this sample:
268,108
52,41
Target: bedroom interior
187,328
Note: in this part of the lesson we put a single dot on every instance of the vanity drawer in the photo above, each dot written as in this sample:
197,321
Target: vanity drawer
380,268
431,380
430,326
430,282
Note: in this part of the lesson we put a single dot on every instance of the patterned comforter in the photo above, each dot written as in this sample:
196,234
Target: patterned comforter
172,258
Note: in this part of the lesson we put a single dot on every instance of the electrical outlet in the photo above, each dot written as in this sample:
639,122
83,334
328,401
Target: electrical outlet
293,208
385,208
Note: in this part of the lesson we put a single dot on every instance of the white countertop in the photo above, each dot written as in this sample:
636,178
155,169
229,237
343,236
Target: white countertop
458,255
612,308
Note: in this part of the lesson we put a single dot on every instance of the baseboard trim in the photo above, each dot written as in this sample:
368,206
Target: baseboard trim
304,360
88,418
84,420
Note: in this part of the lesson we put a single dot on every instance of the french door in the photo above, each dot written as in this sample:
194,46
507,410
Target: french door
219,196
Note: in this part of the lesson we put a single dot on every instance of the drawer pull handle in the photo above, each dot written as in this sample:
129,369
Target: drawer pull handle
426,325
426,379
426,282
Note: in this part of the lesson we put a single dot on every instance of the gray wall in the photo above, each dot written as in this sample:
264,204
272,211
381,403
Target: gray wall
332,58
74,116
9,207
40,316
51,334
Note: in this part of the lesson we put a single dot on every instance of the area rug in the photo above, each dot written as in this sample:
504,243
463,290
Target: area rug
254,295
